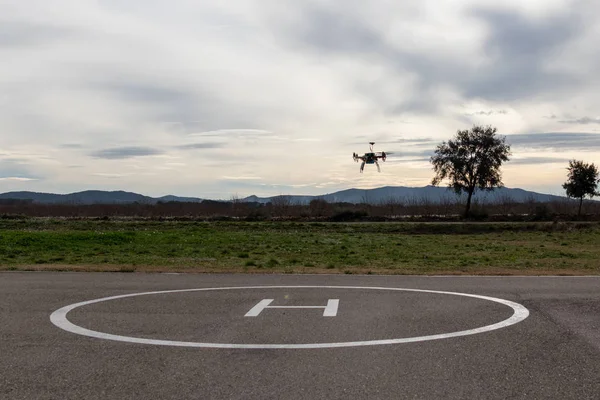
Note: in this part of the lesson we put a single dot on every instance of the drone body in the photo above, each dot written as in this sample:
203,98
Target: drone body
370,158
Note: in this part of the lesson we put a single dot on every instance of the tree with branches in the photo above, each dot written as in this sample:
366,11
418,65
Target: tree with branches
582,181
470,161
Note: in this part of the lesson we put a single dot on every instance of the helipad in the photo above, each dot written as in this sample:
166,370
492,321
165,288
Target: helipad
329,309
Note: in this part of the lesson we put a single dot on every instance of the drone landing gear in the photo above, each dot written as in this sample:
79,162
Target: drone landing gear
378,168
362,166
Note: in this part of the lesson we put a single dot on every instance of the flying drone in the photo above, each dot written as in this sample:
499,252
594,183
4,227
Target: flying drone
370,158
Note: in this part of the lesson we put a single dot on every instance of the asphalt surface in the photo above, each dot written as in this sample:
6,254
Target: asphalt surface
554,353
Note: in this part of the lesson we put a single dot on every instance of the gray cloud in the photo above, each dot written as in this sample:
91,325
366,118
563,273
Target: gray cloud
403,147
556,140
195,146
538,141
405,141
16,169
518,49
146,92
406,160
14,33
126,152
583,121
410,140
180,109
411,153
234,133
333,32
488,113
538,160
416,141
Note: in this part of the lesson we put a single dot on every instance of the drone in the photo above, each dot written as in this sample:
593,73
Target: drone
370,158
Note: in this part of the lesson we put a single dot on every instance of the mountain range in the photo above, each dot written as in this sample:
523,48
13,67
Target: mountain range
92,197
384,194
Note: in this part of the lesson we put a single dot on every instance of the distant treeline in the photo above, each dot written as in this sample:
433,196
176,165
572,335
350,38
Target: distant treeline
283,208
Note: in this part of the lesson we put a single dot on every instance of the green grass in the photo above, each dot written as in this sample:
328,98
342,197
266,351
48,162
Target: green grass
292,247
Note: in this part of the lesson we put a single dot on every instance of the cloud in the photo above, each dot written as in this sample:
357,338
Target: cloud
556,140
21,33
126,152
538,160
110,175
17,178
167,100
332,31
269,78
488,113
232,133
383,71
308,140
300,185
15,169
497,55
241,178
583,121
416,140
412,153
518,49
410,141
196,146
407,160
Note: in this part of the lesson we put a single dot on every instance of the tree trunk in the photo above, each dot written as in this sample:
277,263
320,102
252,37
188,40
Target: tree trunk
469,202
580,203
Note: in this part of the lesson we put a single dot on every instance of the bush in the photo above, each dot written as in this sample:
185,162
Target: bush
478,214
255,215
348,215
541,213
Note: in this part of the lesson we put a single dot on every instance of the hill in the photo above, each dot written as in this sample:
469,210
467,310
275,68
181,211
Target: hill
433,194
93,197
380,195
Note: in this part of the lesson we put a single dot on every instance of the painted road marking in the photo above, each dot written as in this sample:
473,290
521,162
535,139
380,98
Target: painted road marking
330,309
59,318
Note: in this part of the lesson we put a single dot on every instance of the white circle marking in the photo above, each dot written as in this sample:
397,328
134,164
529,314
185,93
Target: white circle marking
59,318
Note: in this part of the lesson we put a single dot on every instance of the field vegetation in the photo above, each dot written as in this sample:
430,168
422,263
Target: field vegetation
283,207
194,244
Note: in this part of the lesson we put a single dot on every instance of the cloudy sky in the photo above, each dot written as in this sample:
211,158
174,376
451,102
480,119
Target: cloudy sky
220,99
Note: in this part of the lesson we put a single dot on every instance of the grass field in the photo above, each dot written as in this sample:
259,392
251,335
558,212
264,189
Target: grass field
292,247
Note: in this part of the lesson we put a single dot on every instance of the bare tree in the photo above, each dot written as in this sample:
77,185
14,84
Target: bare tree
236,205
281,205
319,207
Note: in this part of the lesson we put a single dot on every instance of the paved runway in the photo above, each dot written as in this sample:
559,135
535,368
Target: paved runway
297,337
